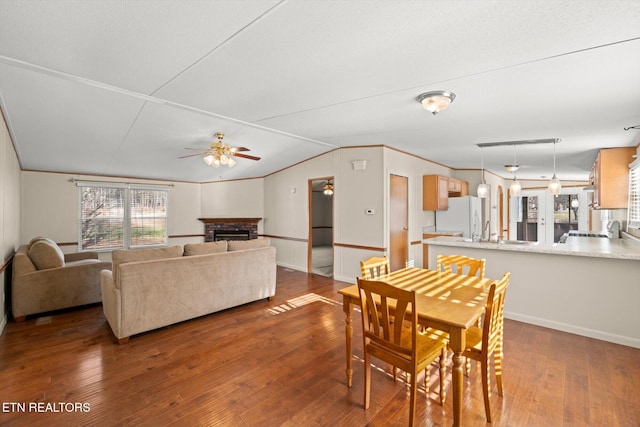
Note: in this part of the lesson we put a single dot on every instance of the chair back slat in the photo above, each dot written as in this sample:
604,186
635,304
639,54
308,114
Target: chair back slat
460,264
374,267
383,308
494,313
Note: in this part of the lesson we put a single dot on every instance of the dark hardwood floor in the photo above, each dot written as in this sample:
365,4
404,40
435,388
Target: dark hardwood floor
282,362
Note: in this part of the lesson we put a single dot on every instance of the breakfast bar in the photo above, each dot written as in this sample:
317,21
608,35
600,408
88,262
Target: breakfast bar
586,286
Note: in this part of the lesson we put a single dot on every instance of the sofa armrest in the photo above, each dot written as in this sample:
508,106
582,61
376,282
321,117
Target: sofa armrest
77,256
111,303
56,288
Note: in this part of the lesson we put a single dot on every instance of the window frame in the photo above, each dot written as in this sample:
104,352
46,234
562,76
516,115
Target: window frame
127,227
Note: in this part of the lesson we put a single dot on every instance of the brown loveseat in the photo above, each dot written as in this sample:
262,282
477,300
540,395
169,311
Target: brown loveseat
152,288
45,279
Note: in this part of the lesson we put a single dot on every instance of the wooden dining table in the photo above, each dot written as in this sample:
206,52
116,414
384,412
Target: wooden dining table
447,302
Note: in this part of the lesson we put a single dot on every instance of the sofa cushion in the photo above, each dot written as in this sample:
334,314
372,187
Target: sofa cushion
45,254
238,245
120,256
205,248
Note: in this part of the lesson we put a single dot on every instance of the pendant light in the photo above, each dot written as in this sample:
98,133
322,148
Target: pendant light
483,189
554,184
515,188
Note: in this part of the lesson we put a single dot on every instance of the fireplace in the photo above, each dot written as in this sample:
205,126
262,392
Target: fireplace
230,235
216,229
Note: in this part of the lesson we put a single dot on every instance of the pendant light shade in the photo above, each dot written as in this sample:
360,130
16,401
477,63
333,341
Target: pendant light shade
554,184
483,189
515,188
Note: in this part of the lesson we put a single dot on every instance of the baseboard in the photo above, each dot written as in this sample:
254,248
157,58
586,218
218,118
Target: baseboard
351,280
572,329
291,267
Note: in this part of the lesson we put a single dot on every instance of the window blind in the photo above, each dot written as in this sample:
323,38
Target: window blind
634,195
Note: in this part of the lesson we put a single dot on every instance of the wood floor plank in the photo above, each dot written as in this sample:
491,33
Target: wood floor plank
281,362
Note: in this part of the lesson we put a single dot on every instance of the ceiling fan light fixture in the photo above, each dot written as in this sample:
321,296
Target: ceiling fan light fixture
436,101
208,159
511,168
328,189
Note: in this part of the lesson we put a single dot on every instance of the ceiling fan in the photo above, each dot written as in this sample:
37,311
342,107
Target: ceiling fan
220,153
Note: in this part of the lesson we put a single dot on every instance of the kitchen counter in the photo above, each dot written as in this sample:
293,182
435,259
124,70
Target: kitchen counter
575,246
587,286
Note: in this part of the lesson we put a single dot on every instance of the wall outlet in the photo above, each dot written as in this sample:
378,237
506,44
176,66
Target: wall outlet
369,212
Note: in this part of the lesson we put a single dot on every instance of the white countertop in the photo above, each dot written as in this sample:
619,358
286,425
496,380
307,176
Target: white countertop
575,246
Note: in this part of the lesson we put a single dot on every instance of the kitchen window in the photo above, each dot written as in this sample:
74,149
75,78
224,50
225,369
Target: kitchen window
121,216
633,220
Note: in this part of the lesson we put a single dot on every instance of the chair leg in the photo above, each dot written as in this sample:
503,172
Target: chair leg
467,365
443,373
497,365
414,393
367,380
486,391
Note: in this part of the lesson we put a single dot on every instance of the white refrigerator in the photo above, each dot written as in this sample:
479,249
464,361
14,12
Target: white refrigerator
464,214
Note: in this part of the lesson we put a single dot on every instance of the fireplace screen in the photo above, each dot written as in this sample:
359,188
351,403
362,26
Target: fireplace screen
230,235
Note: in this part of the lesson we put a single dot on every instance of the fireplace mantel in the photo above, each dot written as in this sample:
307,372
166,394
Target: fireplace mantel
230,220
229,226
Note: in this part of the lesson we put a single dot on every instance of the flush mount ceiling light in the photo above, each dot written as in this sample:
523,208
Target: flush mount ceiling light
511,168
436,101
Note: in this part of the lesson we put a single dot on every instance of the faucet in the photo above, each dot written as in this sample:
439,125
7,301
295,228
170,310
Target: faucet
487,226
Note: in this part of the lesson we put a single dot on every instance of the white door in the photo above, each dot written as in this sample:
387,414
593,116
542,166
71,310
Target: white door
529,214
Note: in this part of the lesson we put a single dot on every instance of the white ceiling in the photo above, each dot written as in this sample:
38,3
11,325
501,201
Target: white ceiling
122,88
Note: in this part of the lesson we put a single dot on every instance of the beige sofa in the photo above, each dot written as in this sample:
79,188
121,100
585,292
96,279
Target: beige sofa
45,279
153,288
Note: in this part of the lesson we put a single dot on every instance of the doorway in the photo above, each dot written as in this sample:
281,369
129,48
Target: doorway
528,217
398,221
320,248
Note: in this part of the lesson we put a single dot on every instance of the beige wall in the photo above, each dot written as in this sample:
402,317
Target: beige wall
9,211
50,208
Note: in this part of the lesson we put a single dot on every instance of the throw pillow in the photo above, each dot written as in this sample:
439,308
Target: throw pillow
238,245
45,254
205,248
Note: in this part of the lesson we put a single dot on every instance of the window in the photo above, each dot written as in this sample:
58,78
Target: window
634,198
121,216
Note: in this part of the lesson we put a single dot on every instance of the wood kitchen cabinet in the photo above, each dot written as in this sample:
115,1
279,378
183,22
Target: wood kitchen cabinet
435,193
436,190
611,178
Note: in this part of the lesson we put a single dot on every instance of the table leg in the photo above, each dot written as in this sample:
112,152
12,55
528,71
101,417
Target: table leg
457,344
348,332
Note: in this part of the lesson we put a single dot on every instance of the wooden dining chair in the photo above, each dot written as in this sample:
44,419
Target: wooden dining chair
487,340
374,267
398,343
464,265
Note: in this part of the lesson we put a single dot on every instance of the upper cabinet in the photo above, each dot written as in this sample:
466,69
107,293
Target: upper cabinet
436,190
610,176
435,193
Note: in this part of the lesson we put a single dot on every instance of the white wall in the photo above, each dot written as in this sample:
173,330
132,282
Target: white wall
234,199
9,213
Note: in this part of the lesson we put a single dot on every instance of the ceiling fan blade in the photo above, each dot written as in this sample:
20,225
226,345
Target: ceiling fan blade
246,156
236,149
193,155
198,149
